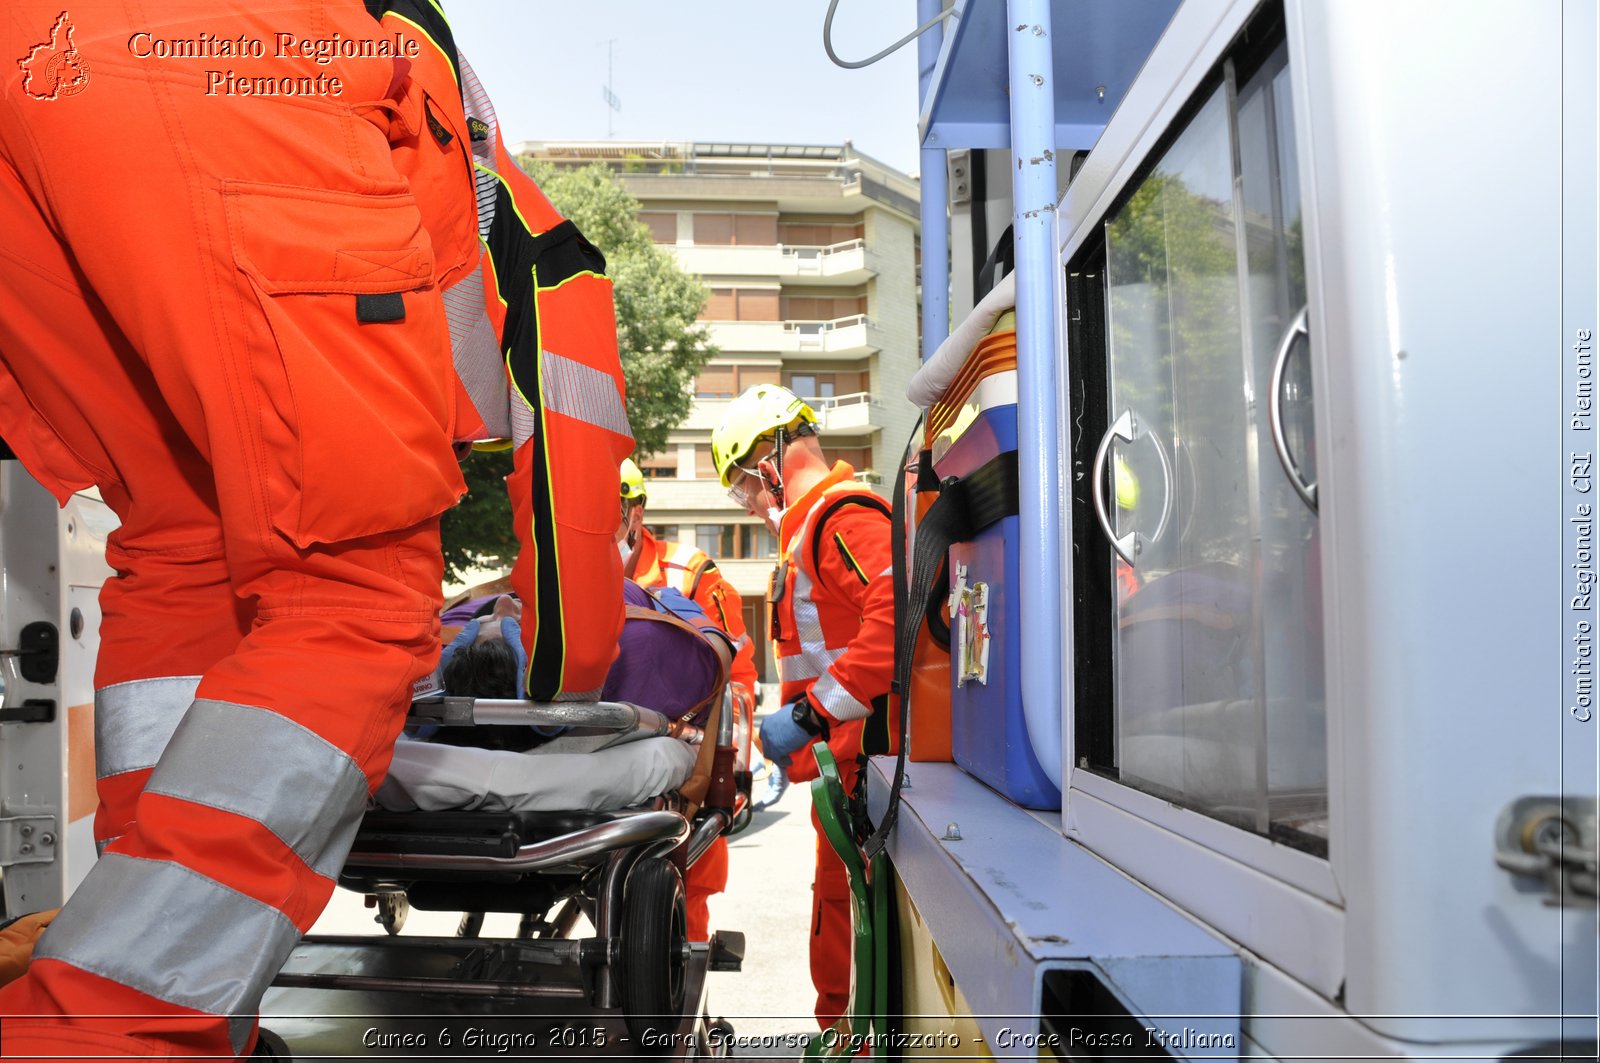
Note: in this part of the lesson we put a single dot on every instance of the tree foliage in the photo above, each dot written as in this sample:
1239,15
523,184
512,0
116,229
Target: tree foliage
662,343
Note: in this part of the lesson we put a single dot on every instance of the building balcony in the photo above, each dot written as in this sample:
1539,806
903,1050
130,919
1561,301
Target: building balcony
845,263
718,260
669,498
857,412
704,416
841,263
749,576
845,337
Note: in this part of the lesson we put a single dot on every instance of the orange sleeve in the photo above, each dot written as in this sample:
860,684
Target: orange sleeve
853,563
568,413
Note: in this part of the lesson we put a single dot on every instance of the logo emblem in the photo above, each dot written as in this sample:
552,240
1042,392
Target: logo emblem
55,68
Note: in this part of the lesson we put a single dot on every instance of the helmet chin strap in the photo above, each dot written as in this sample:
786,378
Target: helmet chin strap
780,440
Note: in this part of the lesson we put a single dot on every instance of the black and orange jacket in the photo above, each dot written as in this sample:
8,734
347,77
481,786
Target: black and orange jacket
533,334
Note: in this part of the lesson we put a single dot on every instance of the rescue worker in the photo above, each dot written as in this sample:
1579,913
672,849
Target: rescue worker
239,333
832,605
689,571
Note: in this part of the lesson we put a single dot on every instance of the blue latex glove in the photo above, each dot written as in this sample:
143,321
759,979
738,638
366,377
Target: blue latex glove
781,736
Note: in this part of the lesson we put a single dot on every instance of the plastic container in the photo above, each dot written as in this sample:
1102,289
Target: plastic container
973,424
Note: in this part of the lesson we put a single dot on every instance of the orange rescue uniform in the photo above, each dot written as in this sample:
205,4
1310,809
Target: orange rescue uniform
236,332
833,610
693,574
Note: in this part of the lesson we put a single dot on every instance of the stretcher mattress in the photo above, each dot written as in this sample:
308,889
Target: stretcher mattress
432,777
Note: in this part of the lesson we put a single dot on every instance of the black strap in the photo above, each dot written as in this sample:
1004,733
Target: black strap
854,498
966,506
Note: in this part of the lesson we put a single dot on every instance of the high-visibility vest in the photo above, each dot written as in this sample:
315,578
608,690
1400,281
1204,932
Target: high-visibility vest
812,622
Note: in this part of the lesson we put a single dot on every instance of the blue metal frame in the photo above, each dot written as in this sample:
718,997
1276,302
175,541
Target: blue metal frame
1033,199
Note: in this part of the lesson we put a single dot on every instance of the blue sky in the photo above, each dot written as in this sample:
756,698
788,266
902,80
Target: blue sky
740,70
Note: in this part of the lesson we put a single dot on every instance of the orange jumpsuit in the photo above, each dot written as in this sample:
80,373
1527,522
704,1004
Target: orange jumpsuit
224,310
843,590
693,574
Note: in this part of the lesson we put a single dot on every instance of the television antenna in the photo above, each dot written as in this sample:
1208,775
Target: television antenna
606,94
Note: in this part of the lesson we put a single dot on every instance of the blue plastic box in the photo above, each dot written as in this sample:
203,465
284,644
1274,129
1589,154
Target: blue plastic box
988,733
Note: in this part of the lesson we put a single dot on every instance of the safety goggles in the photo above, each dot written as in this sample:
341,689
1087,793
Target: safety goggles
749,483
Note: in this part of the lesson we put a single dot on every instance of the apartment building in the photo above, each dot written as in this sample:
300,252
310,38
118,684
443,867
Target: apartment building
810,253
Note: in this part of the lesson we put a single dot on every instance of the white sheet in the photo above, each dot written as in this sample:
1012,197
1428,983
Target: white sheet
431,778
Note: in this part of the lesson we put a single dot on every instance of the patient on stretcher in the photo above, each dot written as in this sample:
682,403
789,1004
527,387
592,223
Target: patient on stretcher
671,659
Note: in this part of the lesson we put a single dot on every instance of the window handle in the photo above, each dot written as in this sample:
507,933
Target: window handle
1129,429
1280,441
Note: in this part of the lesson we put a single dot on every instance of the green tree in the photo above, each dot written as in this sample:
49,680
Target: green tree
662,343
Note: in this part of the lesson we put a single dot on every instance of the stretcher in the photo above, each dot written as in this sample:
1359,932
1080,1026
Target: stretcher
636,986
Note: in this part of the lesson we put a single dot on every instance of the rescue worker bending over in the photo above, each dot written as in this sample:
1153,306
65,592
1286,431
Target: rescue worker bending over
690,572
244,340
832,604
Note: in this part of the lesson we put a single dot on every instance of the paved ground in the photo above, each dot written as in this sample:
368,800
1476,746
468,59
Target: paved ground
768,898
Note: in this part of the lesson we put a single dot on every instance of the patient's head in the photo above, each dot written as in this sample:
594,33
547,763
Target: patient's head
485,669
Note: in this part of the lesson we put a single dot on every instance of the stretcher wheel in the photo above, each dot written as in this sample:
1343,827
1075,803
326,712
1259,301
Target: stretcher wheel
652,952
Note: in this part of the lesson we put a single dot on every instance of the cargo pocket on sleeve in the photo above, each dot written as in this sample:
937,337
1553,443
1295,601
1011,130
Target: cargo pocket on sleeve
350,360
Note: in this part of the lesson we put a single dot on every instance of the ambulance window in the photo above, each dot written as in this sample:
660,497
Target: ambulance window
1213,697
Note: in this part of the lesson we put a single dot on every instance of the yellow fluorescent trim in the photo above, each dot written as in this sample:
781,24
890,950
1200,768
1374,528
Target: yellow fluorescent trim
581,273
449,60
850,559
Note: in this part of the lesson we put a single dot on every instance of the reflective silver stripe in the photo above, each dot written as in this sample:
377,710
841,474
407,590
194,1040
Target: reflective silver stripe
802,666
476,352
580,695
134,721
302,788
685,556
832,695
522,421
173,934
477,106
815,655
582,393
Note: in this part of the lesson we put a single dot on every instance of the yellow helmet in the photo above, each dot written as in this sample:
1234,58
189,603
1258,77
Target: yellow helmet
750,418
632,480
1126,483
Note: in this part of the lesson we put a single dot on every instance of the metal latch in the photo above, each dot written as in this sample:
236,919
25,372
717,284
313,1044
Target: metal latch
1554,839
38,652
27,840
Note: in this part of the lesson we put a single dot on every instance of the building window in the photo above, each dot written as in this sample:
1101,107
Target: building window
753,230
823,308
858,458
825,385
736,542
818,232
726,381
663,466
704,467
663,225
741,304
664,533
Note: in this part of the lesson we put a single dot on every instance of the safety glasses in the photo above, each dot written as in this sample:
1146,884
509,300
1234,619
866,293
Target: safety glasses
746,487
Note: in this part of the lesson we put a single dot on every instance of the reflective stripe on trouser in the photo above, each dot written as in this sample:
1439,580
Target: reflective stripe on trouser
133,722
249,432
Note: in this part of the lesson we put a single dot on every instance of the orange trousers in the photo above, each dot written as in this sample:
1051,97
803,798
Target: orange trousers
832,936
219,309
709,875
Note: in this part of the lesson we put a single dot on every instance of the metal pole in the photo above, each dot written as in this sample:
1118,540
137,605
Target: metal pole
1033,185
935,198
